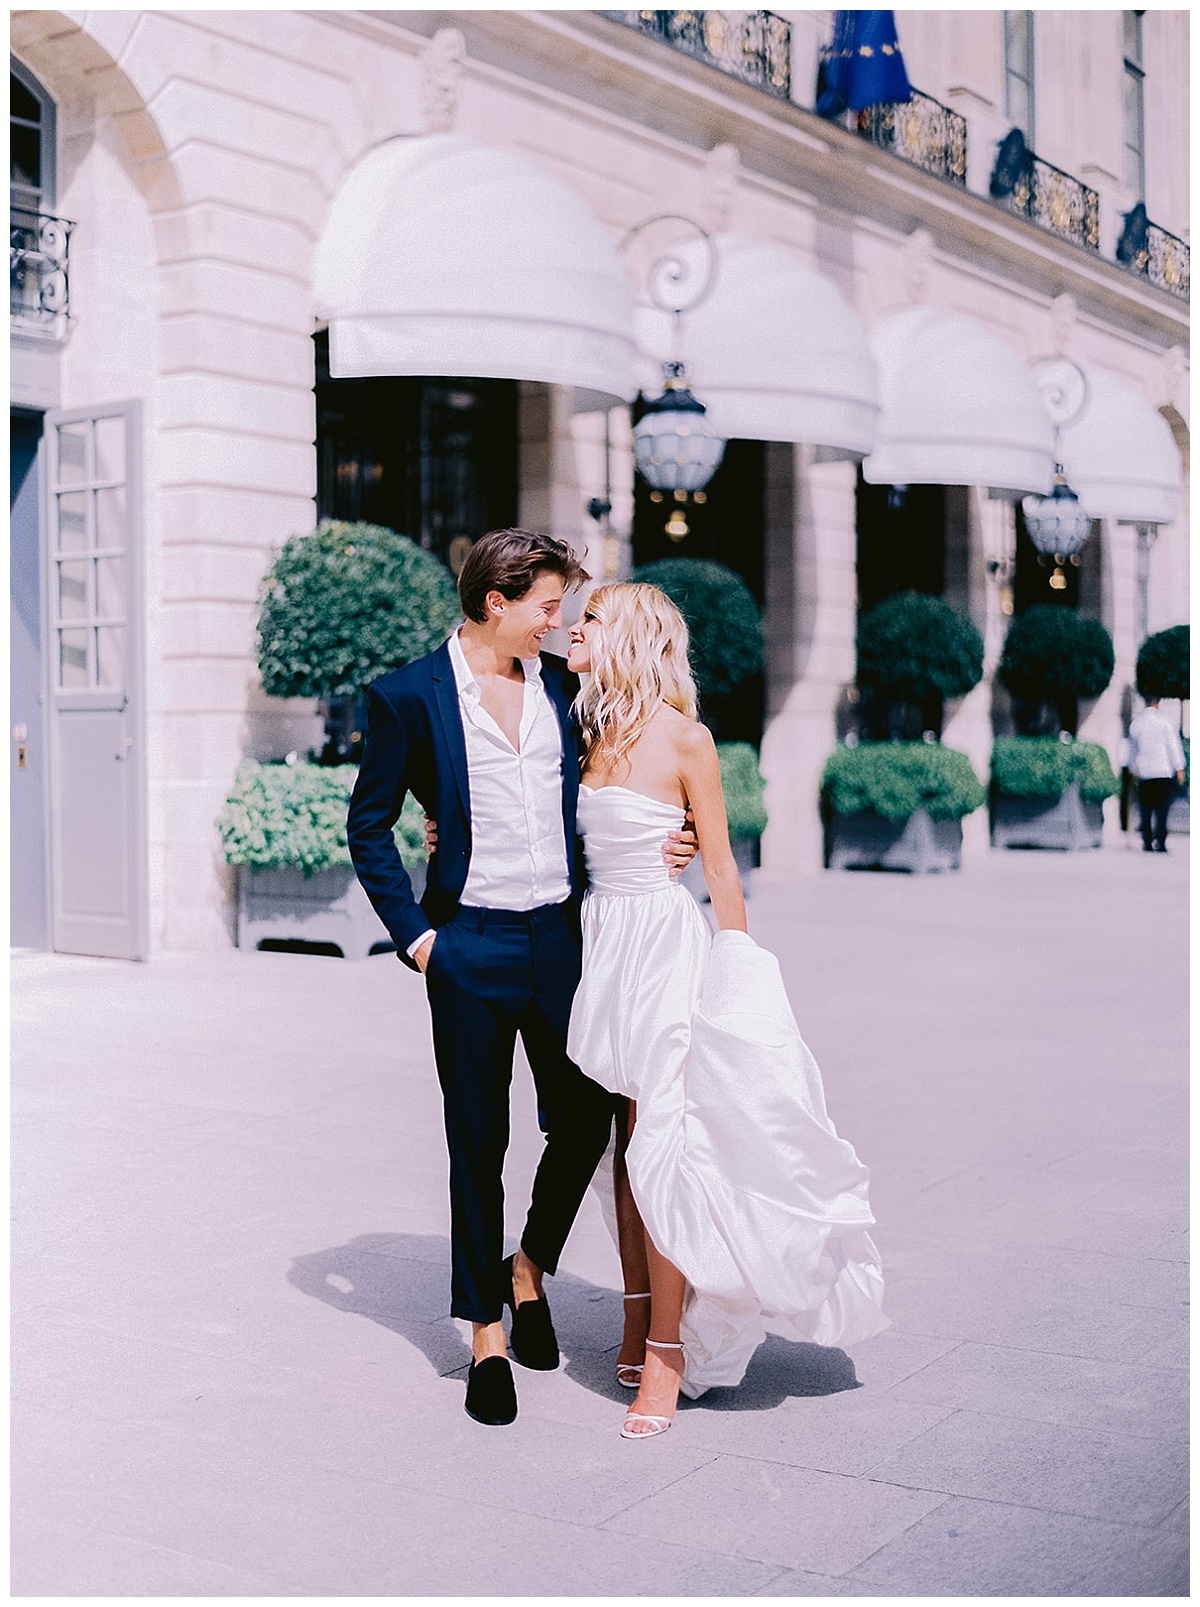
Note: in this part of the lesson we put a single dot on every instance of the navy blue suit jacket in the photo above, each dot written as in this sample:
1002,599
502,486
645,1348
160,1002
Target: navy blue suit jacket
415,743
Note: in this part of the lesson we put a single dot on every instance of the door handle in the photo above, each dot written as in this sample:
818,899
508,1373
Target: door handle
121,752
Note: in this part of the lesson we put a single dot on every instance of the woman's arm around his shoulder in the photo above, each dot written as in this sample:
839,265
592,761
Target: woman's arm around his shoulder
700,772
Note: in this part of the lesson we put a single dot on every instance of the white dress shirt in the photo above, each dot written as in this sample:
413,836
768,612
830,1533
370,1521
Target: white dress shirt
518,846
1156,751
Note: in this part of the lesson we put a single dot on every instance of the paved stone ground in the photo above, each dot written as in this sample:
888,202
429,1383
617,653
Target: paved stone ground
233,1375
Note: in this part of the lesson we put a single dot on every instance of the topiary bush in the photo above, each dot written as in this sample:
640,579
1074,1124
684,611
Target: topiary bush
1053,657
743,785
894,779
722,620
281,815
915,648
345,604
1164,664
1044,767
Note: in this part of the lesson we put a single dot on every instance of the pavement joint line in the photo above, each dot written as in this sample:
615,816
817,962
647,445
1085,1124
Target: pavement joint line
252,1576
658,1490
1023,1506
1010,1416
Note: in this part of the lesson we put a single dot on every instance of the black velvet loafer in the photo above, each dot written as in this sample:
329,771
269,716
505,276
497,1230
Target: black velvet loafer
532,1338
491,1393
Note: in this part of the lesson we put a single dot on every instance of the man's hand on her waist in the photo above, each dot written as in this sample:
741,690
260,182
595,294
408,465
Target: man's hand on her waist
681,846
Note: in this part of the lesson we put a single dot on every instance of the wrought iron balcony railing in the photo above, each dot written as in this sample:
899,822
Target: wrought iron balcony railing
1166,262
921,131
755,46
38,252
1055,201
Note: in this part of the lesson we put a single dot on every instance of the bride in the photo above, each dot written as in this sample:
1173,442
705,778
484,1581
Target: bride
735,1200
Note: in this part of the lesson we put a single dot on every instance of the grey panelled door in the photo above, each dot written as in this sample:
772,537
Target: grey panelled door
97,749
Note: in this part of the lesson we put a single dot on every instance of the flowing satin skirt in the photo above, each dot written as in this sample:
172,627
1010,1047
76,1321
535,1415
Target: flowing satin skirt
738,1173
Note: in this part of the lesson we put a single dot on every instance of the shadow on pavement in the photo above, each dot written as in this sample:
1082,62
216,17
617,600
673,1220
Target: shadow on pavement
402,1282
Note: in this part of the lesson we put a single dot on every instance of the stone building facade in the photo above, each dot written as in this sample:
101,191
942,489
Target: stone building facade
168,421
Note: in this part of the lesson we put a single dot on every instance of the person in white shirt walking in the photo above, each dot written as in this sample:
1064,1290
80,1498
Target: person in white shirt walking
1156,760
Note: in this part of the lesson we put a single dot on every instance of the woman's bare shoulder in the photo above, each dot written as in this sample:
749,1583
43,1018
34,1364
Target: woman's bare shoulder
689,737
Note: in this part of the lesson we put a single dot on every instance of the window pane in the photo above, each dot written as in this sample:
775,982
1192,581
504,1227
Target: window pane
110,588
72,454
72,658
110,518
1133,133
72,590
26,156
72,521
1018,107
21,102
110,655
1133,35
110,449
1016,42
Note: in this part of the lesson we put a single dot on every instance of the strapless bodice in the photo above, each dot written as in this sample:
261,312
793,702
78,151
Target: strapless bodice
623,834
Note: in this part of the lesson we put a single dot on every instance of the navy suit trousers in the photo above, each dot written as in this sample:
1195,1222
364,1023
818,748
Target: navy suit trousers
492,974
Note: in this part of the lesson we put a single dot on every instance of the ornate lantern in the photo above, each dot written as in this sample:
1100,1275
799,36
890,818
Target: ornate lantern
675,447
1058,525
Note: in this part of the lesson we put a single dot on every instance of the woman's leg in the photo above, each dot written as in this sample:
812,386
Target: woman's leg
659,1391
631,1243
647,1320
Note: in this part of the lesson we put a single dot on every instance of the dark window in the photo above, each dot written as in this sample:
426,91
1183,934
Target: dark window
436,459
31,143
901,541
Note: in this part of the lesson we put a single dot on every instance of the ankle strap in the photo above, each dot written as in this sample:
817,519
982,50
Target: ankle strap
663,1344
644,1296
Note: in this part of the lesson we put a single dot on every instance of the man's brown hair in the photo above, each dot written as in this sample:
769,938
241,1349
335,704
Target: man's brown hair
509,561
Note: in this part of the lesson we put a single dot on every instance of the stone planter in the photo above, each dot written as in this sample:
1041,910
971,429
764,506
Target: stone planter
867,841
1067,822
1179,815
745,855
328,910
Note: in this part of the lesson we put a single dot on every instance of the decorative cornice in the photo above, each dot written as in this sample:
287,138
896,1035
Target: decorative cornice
622,80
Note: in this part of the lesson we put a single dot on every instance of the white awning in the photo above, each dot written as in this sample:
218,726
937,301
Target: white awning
444,257
774,352
959,408
1120,457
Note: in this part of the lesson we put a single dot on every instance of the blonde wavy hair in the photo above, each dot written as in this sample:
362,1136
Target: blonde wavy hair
639,661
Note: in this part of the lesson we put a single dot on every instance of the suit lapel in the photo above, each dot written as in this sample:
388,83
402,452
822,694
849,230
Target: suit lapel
445,696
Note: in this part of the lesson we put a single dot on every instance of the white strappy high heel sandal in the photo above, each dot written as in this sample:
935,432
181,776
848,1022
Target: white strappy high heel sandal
658,1424
629,1373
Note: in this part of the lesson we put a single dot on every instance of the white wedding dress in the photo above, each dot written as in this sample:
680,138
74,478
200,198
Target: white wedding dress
737,1171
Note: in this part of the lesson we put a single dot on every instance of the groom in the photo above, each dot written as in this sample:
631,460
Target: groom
480,731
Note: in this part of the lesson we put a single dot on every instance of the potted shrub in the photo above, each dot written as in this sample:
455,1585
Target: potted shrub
284,825
1048,792
1164,670
892,802
897,806
1052,658
340,606
726,640
1047,789
914,652
743,785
